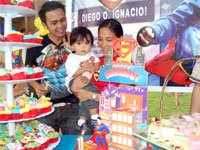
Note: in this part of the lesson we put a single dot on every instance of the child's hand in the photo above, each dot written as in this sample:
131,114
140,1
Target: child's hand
91,68
85,65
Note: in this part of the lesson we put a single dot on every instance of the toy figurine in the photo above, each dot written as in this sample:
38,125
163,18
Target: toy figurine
99,135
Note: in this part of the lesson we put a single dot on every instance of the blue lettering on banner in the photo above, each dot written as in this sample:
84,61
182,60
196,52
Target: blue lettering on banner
133,75
130,12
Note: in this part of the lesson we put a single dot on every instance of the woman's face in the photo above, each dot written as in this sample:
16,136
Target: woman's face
105,40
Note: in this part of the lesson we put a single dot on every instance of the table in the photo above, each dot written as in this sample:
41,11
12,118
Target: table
68,142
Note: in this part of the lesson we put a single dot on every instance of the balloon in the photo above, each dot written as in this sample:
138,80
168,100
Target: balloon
39,26
37,22
43,31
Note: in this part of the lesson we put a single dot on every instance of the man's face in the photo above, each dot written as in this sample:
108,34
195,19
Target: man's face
56,23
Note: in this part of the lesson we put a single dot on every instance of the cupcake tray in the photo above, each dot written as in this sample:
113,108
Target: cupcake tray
17,45
14,11
20,81
53,145
142,134
39,116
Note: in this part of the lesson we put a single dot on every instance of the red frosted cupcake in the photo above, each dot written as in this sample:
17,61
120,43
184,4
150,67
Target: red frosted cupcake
43,141
30,38
1,2
38,72
26,3
29,72
14,36
18,73
4,112
15,113
45,107
26,139
4,74
33,146
53,137
29,111
45,104
8,2
39,40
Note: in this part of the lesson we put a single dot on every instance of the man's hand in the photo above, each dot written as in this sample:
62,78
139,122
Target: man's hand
145,36
40,90
66,42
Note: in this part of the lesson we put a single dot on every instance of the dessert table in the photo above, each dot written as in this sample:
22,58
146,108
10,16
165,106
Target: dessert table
68,142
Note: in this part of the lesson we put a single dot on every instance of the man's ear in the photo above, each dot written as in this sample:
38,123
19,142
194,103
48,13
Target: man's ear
44,25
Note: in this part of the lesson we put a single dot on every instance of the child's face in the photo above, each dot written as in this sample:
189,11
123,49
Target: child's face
82,47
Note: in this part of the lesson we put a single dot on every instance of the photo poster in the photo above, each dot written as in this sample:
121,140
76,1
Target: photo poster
132,14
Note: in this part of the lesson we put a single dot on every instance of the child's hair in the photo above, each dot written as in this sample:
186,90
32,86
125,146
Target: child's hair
81,33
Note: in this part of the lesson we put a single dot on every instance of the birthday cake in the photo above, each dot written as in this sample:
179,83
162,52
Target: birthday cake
178,132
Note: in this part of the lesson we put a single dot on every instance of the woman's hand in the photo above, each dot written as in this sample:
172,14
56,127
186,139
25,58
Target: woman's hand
78,83
83,94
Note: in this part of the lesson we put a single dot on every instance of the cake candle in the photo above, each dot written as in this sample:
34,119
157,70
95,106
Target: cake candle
80,141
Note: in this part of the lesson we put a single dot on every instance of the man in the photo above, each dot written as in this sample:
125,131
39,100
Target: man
183,24
51,56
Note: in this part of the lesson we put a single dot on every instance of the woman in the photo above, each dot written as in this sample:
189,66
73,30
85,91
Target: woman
108,31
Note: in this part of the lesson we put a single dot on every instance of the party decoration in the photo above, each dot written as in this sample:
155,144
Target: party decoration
40,27
123,70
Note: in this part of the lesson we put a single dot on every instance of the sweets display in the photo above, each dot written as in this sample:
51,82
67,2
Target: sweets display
178,132
21,73
15,36
24,107
29,136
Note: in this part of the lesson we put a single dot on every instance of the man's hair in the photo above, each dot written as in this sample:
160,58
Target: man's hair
81,33
49,6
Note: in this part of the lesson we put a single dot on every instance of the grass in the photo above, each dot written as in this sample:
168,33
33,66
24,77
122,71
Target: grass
169,104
